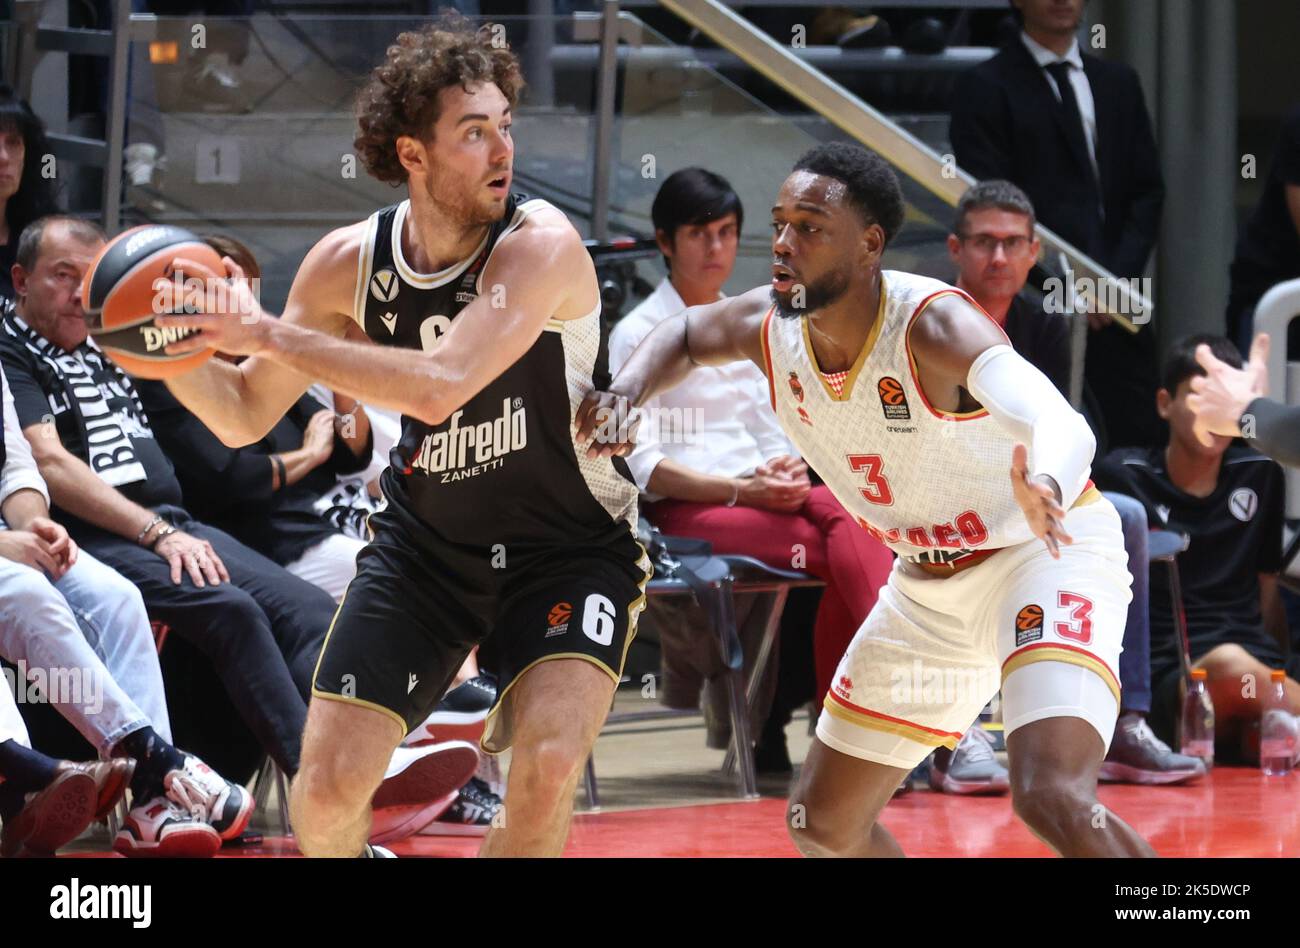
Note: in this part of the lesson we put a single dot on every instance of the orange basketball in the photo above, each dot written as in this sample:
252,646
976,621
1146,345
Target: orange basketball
122,297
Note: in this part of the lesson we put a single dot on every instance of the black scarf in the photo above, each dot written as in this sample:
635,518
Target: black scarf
78,385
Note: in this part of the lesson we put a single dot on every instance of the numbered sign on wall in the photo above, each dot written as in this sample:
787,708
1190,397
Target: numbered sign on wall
217,161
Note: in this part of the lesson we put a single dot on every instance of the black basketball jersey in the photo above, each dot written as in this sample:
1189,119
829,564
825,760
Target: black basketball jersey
504,468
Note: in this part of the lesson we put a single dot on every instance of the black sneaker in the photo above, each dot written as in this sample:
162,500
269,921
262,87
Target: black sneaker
470,815
459,716
1136,755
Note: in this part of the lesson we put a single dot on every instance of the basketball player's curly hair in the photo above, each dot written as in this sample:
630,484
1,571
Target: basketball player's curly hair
401,95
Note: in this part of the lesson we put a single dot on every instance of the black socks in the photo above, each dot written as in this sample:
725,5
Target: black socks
154,758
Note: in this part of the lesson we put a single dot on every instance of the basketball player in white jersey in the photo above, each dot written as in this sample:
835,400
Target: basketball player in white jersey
475,312
909,402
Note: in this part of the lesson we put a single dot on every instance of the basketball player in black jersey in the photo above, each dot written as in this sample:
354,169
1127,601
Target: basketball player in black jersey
476,313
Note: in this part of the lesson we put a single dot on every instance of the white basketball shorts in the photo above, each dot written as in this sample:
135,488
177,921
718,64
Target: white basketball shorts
935,650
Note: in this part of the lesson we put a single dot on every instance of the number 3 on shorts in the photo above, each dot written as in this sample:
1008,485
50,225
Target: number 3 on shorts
1079,628
598,619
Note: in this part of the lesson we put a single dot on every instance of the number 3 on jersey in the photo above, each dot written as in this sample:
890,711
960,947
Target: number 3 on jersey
877,490
1079,626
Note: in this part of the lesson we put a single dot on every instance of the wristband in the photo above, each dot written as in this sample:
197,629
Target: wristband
735,494
166,531
139,537
279,466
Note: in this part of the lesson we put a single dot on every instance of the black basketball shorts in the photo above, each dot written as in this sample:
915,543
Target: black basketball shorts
414,611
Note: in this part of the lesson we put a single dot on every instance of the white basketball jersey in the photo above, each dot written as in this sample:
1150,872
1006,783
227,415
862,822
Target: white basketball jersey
931,485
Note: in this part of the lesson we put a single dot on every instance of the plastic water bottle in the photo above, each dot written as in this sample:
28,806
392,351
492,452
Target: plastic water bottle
1277,729
1197,726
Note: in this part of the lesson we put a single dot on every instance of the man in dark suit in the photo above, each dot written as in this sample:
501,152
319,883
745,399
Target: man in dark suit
1073,132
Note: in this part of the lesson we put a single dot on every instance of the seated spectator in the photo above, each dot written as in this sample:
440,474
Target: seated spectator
118,496
1268,250
45,583
264,494
733,478
354,497
1229,500
994,246
25,192
47,803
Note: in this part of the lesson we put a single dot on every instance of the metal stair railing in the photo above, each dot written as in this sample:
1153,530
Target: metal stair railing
929,169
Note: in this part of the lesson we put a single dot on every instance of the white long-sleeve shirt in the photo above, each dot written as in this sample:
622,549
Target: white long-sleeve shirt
717,421
20,470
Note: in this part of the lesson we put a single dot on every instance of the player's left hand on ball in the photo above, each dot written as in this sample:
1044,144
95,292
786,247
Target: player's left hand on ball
236,323
607,423
1037,497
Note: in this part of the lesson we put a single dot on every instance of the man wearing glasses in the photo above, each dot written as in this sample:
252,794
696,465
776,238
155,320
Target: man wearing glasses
994,248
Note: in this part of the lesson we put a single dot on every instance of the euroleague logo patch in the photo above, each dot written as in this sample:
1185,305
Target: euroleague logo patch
893,400
796,386
1029,624
557,620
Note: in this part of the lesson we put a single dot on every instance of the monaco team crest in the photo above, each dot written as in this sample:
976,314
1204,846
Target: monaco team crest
796,386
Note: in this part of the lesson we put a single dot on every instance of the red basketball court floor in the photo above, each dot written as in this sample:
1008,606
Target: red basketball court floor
1237,812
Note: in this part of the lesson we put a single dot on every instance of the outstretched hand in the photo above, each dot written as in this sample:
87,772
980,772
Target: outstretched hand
1039,498
1222,395
232,320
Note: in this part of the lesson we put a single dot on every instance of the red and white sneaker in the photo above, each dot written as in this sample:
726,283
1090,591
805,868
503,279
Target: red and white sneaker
422,775
392,823
158,827
200,790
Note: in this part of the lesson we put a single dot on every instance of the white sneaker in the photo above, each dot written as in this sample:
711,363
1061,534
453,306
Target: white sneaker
421,775
158,827
202,791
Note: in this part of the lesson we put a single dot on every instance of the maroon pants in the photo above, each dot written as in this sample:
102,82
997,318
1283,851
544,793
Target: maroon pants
820,538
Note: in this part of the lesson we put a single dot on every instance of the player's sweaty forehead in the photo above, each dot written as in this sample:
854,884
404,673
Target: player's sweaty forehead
810,193
482,101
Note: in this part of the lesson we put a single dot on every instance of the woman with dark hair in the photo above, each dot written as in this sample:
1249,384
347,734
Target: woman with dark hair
26,192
